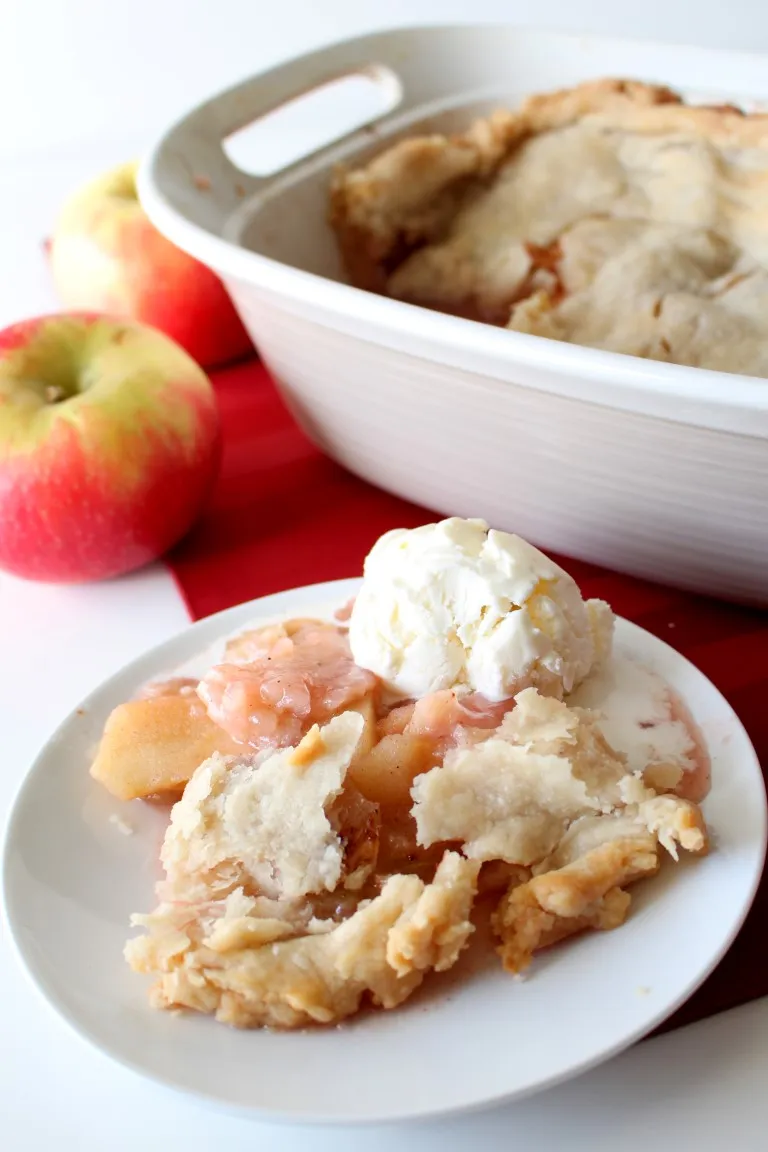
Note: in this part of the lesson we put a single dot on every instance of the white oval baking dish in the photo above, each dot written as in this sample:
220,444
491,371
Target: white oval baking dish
650,468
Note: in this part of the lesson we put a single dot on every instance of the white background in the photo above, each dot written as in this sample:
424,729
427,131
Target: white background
80,70
84,83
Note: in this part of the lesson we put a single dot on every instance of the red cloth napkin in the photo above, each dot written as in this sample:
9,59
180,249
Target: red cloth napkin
283,515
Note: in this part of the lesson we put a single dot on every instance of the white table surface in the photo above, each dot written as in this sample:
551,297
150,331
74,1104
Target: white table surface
699,1088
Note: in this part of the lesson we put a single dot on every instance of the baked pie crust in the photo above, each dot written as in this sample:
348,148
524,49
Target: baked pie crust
611,215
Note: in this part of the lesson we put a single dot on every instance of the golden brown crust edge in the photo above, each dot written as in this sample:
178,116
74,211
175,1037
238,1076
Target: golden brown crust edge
407,194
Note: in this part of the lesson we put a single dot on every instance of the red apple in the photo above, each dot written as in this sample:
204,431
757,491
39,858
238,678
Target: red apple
109,444
106,256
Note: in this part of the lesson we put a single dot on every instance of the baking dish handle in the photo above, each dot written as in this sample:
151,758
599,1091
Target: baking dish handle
190,167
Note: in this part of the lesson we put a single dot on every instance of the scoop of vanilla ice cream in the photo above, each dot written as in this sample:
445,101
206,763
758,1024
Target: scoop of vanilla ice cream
456,605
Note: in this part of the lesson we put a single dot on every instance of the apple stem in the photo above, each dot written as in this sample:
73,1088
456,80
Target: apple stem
54,393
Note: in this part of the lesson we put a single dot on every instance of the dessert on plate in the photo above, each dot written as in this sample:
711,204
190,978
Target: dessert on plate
611,215
350,794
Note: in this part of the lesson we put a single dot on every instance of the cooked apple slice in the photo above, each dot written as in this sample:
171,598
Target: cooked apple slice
367,709
385,774
152,746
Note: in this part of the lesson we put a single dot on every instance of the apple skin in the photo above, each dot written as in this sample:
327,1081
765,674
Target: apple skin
106,256
109,446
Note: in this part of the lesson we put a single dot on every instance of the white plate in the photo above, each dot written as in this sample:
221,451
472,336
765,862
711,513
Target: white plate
71,879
